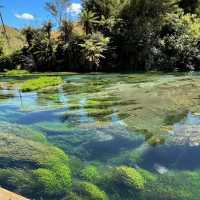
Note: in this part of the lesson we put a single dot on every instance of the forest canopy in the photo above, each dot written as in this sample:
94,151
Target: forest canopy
113,35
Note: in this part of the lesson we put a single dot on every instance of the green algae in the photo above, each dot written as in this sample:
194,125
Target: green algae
157,102
173,185
40,83
22,131
90,173
18,153
89,191
17,73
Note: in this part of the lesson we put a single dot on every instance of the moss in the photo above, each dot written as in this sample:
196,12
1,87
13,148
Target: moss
40,83
99,112
22,153
89,191
53,182
90,173
129,177
175,117
17,180
156,140
165,96
174,185
90,86
147,175
96,113
73,196
22,131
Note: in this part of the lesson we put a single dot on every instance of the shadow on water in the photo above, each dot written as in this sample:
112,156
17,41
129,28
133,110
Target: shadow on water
180,157
41,116
103,150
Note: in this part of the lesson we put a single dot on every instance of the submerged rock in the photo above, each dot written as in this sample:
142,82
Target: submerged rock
186,135
160,169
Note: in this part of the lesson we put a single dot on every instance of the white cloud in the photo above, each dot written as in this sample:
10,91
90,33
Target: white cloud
74,8
25,16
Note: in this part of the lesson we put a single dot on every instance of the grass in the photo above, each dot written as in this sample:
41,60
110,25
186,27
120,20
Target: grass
40,83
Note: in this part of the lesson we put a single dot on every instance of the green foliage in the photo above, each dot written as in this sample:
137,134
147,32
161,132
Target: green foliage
88,20
191,6
39,55
93,48
178,48
57,8
40,83
11,61
133,35
89,191
130,177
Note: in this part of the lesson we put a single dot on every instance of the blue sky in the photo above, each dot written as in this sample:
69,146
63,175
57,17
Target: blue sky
20,13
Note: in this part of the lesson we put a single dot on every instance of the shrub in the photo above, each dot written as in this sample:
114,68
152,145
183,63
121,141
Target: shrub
178,47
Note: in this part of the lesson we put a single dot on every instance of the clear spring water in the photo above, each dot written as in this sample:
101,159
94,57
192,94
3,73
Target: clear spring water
64,117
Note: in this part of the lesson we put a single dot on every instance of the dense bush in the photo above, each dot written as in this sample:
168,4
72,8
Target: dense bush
8,62
114,35
178,47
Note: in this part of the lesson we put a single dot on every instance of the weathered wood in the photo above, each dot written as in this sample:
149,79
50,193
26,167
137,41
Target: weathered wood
7,195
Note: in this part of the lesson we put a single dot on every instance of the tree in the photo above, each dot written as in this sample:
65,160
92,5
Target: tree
88,20
138,31
93,48
40,53
191,6
58,9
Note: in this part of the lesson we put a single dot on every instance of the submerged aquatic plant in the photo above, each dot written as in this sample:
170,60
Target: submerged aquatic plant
129,177
90,173
17,72
89,191
40,83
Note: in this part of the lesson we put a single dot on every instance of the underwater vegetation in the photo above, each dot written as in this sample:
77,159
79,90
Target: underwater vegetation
129,177
86,190
39,83
132,137
17,73
31,166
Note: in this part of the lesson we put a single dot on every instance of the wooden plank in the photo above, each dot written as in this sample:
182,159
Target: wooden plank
7,195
